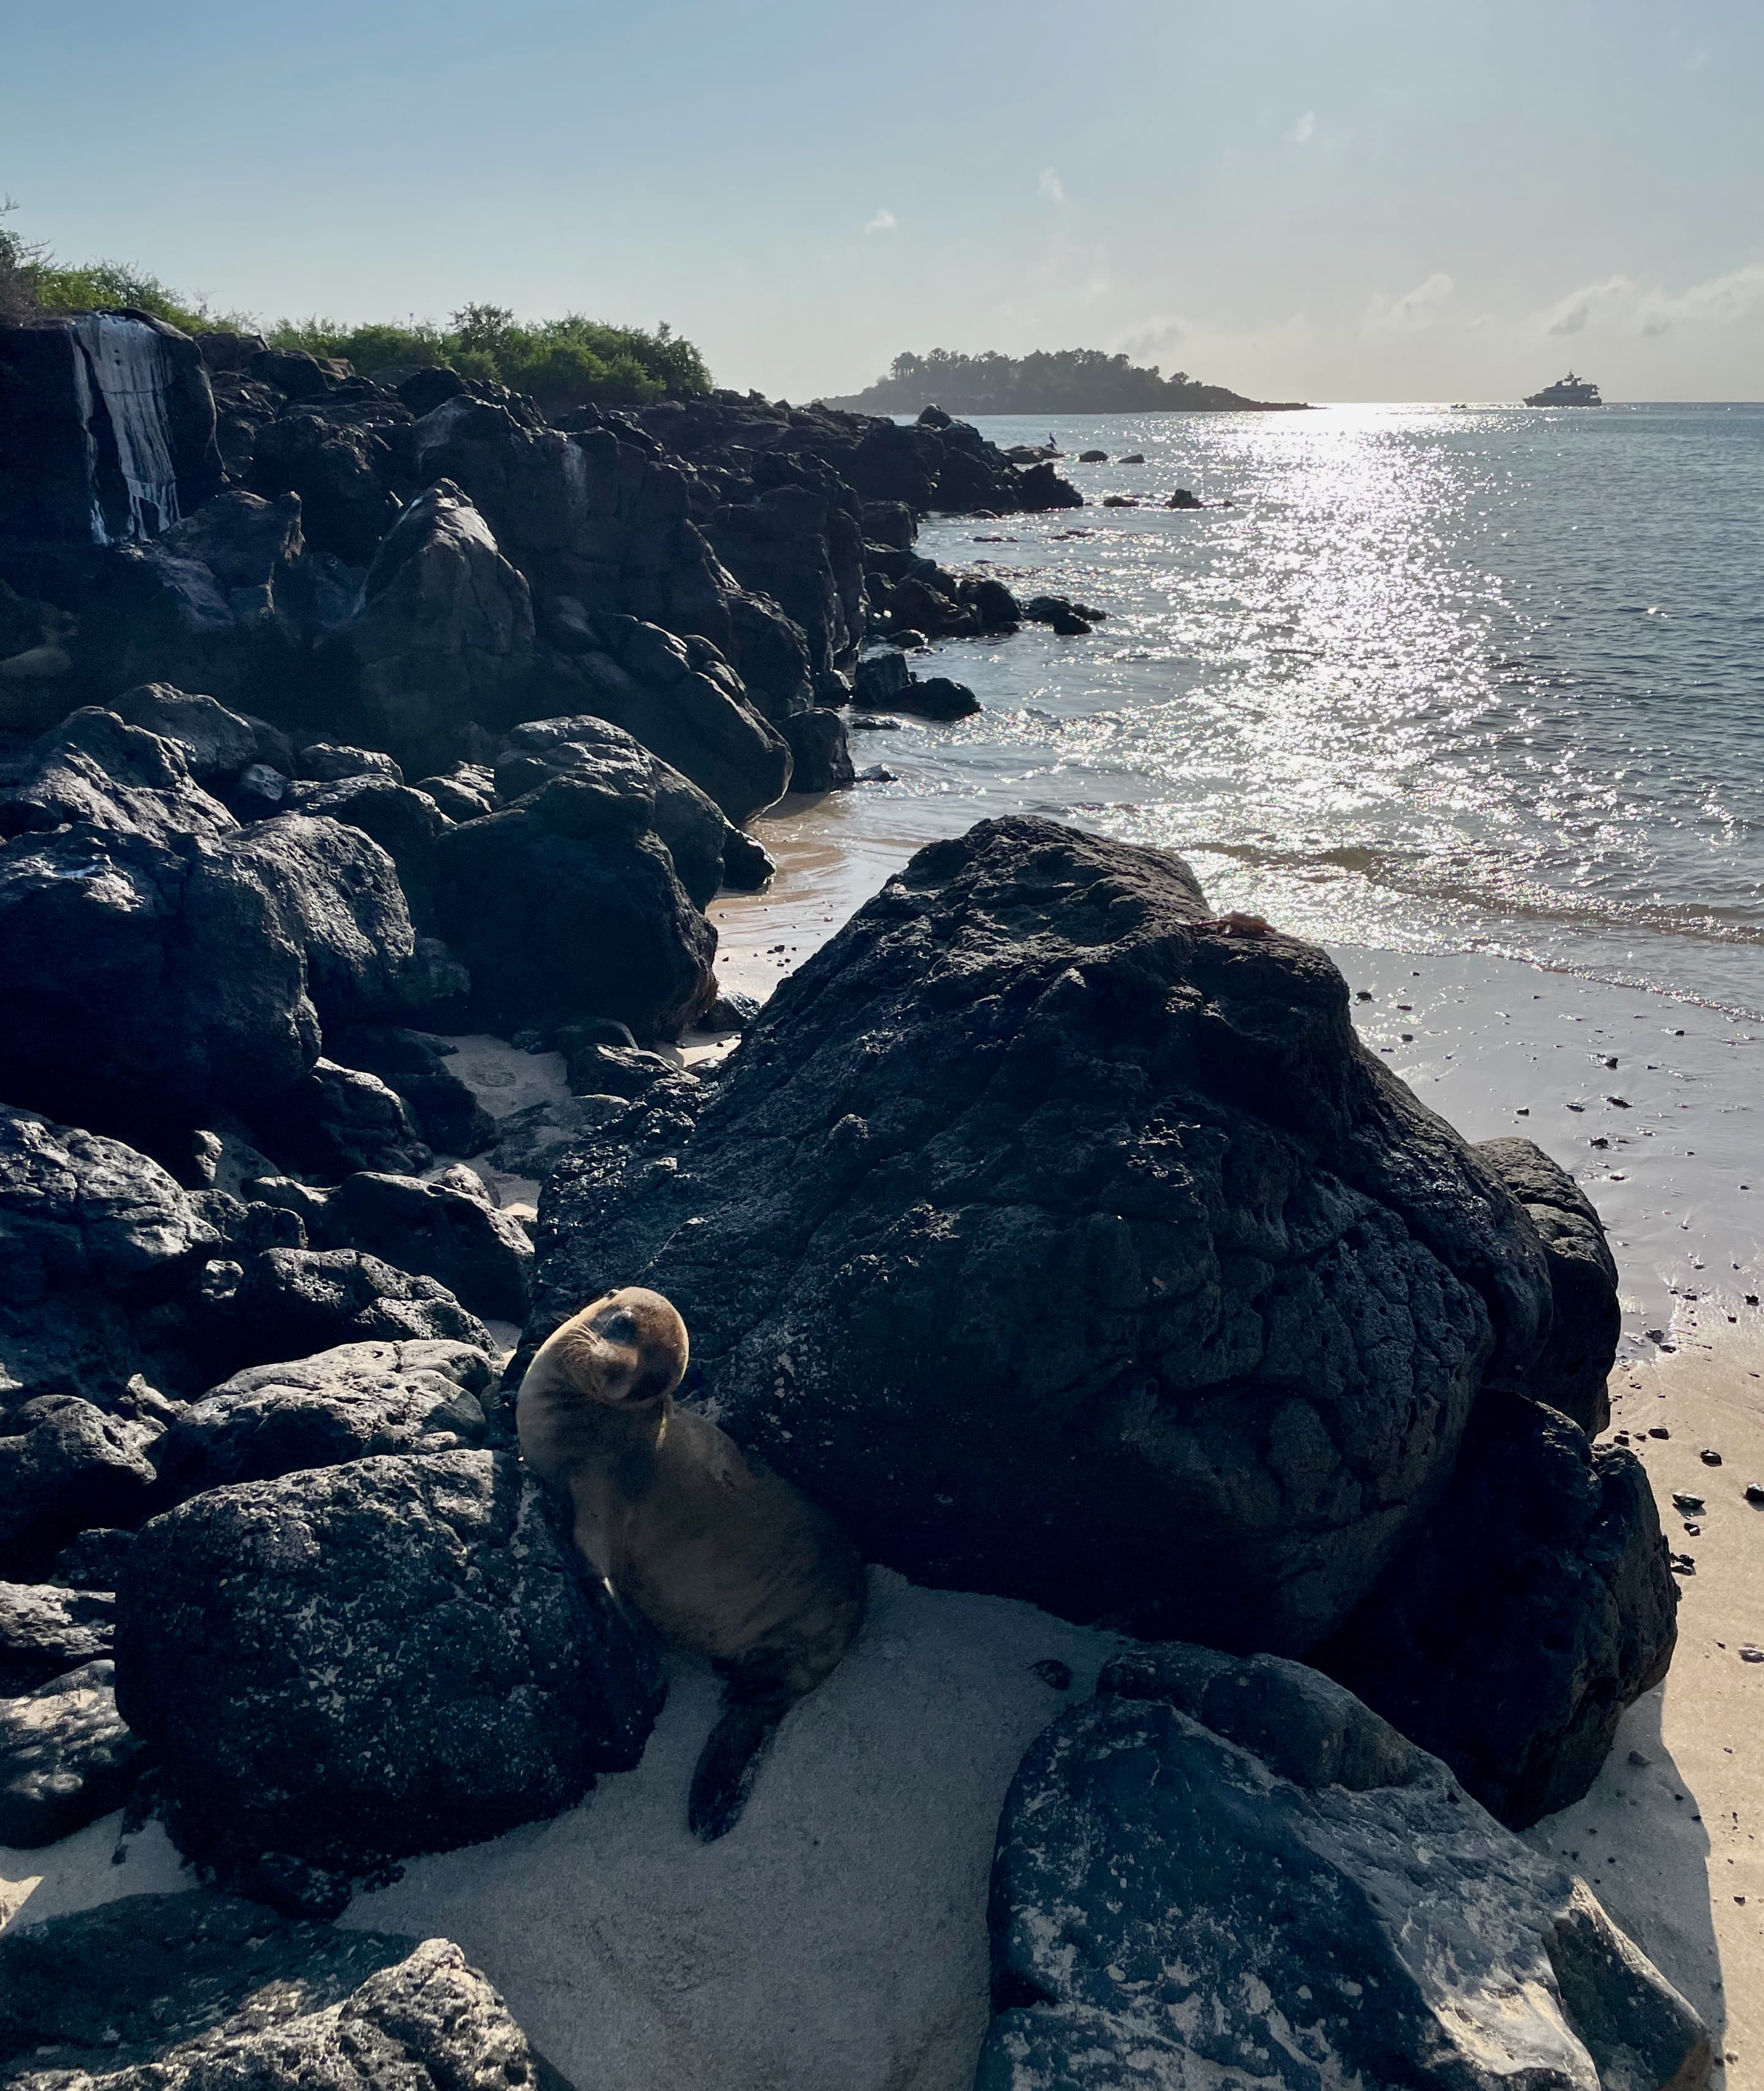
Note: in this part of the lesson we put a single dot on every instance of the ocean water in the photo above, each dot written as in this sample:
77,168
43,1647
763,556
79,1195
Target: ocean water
1487,680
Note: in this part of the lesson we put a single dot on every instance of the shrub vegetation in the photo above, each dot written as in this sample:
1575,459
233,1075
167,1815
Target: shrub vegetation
560,363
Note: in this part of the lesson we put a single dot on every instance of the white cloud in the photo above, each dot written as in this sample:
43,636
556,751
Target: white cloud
1304,130
1620,302
1051,186
884,221
1415,310
1592,302
1722,301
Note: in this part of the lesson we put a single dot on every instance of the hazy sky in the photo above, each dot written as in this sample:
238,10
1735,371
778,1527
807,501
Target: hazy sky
1366,199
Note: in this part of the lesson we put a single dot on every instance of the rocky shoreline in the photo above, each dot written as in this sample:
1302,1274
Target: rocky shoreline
1055,1233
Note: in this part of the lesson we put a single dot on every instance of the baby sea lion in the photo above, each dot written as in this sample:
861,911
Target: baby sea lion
719,1553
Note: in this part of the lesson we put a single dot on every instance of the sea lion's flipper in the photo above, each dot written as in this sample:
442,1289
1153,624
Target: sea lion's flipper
726,1766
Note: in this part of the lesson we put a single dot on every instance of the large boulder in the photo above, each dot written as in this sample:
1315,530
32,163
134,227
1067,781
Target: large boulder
445,1229
225,601
567,906
1239,1874
1066,1244
287,1303
198,1991
345,1665
67,1757
124,885
686,819
407,824
584,515
358,1401
680,698
66,1465
1533,1607
94,1239
342,476
443,640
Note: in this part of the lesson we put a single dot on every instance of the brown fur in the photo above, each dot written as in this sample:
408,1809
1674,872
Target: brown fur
723,1556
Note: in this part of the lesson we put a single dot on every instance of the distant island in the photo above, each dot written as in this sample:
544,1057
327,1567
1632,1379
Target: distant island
1068,381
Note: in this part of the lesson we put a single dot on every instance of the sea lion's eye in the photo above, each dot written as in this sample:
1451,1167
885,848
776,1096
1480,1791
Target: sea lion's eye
617,1327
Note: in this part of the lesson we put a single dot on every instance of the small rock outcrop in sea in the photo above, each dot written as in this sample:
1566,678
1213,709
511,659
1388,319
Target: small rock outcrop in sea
1224,1871
1065,1243
350,1663
179,1992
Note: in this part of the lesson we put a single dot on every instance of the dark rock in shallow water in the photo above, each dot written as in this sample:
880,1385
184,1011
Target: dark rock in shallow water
746,863
688,822
1239,1874
448,1116
66,1758
821,759
1066,1245
446,1229
936,697
346,1665
195,1992
567,906
46,1631
1577,1363
357,1401
1533,1606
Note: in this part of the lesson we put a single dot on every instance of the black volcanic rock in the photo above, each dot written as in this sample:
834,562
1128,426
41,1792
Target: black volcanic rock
414,1063
1233,1872
354,1663
67,1757
46,1631
1583,1278
443,638
1532,1608
180,1992
566,906
125,886
683,818
1066,1245
81,395
357,1401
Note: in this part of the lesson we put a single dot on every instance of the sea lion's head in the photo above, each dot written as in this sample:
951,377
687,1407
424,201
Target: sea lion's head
628,1349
